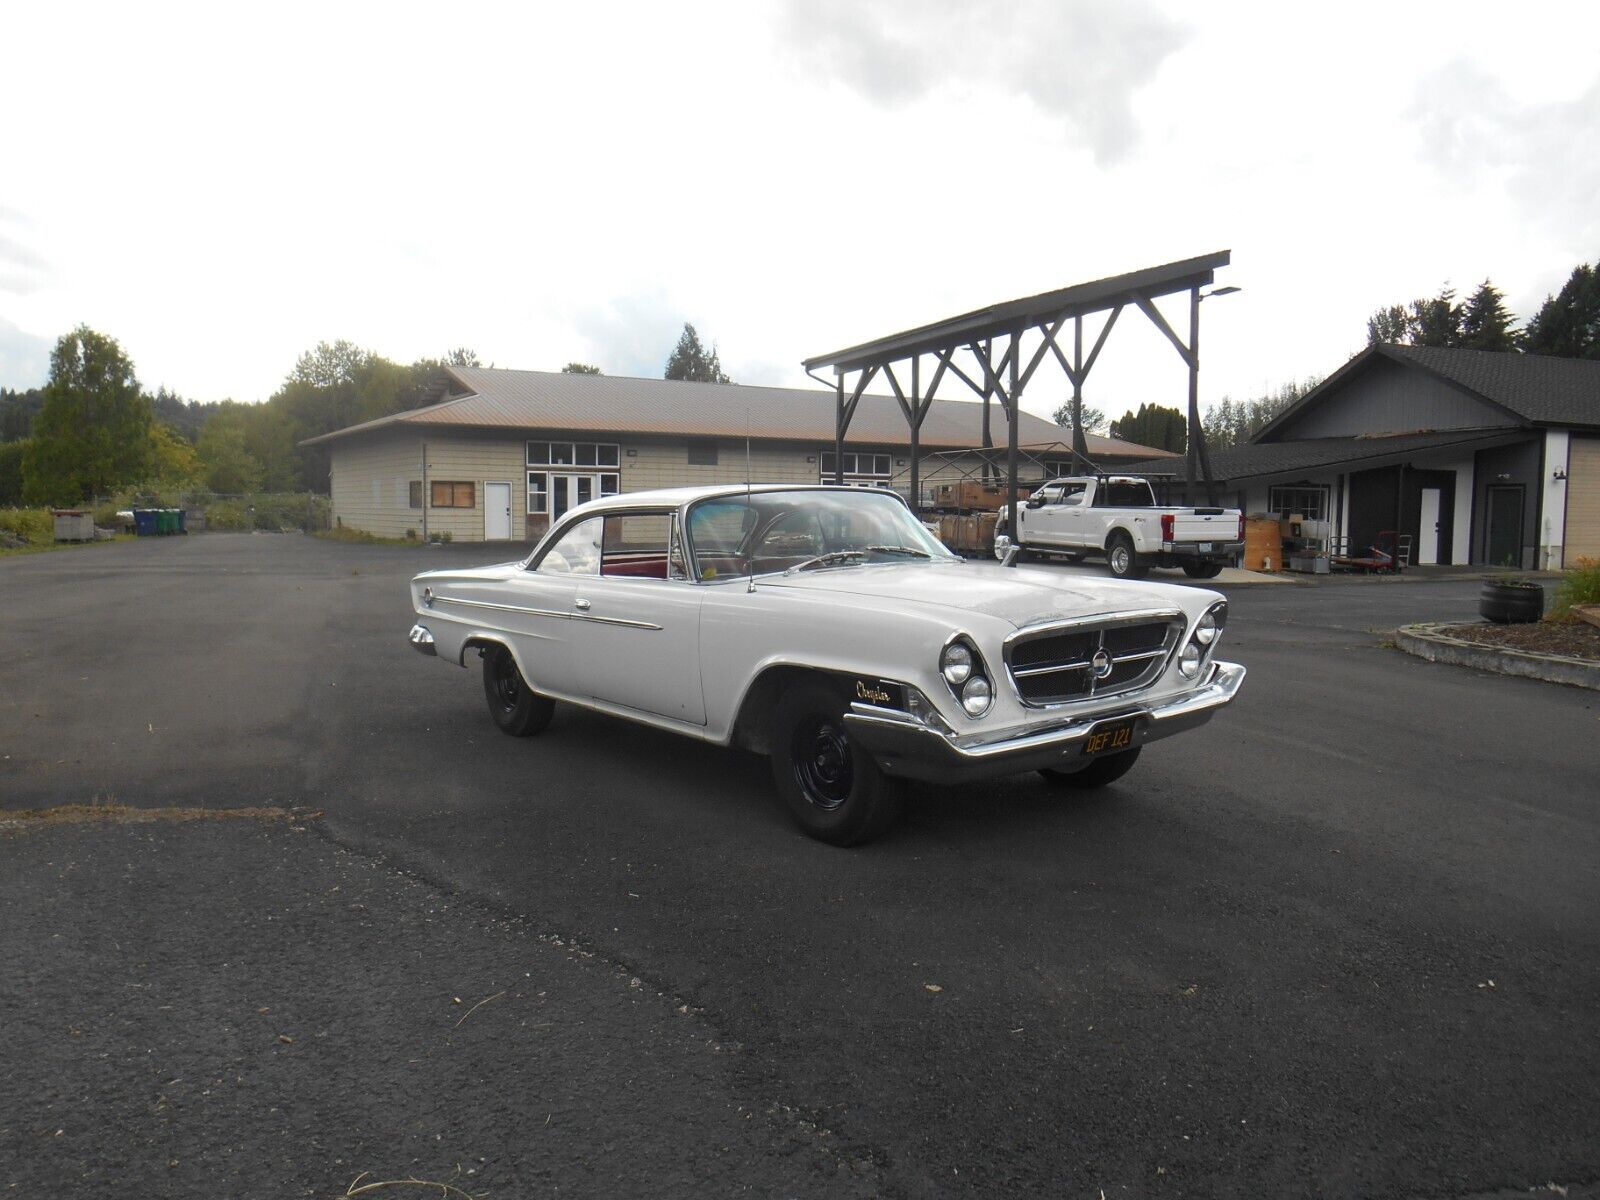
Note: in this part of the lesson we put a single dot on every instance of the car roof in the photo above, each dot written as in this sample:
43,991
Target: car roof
676,497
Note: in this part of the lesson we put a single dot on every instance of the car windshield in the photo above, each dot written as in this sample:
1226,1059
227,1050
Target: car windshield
814,527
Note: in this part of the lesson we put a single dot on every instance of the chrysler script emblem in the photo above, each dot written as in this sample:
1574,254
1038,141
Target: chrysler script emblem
1100,663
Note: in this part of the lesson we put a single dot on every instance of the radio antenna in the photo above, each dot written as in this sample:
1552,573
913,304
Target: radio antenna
750,558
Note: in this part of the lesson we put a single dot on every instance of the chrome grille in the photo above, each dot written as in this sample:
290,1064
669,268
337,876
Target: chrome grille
1091,659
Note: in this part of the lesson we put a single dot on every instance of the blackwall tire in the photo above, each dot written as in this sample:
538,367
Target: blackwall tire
833,789
1202,570
1123,559
1097,774
1510,604
516,708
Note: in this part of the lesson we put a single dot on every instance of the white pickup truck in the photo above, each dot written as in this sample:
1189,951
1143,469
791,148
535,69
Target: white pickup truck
1117,516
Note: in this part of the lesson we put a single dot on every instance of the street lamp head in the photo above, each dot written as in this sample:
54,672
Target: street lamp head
1221,291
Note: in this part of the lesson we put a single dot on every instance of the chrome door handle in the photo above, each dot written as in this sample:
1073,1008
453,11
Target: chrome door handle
581,603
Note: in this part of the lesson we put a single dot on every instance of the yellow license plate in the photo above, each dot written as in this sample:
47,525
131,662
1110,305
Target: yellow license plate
1110,736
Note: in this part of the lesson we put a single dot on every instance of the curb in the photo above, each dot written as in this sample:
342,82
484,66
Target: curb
1433,642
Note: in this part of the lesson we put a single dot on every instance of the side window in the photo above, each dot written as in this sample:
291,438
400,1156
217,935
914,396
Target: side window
638,546
1073,493
577,553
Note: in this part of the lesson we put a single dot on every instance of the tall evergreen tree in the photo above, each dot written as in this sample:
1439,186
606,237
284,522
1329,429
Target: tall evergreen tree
1153,425
1428,321
1485,322
93,433
692,361
1568,324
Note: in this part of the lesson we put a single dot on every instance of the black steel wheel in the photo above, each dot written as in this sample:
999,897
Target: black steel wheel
1099,772
1202,570
516,708
834,790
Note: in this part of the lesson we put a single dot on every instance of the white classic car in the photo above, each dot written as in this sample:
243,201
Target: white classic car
826,628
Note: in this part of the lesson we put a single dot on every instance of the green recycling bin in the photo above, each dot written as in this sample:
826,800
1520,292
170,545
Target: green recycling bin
166,521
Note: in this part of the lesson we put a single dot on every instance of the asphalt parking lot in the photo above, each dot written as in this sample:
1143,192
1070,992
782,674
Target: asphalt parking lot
1344,941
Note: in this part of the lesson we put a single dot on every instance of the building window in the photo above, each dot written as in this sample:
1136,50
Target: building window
445,494
538,492
414,499
572,487
572,454
859,468
1303,500
702,454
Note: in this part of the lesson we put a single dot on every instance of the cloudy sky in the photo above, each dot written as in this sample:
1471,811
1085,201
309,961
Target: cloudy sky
222,186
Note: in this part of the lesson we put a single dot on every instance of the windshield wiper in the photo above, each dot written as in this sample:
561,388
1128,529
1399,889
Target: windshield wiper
843,556
909,550
827,560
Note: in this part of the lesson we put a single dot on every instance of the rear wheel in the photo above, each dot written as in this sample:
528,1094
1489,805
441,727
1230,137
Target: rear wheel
1124,559
1202,570
834,790
1098,773
516,708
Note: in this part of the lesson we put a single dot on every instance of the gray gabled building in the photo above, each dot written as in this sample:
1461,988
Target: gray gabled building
1478,457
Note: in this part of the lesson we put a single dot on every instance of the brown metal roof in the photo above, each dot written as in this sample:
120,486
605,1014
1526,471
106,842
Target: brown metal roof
550,400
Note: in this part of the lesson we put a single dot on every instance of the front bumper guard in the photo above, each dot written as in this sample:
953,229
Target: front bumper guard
904,747
421,639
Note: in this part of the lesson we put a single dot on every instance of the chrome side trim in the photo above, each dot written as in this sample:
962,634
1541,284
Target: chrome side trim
545,612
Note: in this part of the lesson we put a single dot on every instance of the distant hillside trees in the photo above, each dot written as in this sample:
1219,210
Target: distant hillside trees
1153,425
578,368
1232,422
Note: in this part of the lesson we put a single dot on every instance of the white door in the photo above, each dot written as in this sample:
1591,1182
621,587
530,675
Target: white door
1428,528
497,512
569,491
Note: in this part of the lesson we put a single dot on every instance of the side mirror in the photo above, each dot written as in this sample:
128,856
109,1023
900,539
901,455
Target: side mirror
1035,502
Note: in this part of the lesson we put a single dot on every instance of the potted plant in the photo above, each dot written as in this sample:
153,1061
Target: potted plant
1508,600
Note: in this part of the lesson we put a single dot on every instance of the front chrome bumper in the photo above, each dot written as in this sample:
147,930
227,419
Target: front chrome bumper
421,640
904,747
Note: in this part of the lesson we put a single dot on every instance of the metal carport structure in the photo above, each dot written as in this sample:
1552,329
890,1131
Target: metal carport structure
1004,329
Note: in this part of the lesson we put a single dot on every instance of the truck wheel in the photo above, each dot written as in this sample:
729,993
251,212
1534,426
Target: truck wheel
1124,559
1202,570
515,707
1098,773
834,790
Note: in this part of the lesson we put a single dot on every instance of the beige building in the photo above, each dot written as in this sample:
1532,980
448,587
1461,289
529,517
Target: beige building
504,453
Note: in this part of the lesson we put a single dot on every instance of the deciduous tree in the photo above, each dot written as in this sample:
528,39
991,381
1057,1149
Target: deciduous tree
578,368
93,433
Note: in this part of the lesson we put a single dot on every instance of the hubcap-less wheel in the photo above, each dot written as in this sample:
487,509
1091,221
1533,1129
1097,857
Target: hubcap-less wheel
822,765
516,708
507,682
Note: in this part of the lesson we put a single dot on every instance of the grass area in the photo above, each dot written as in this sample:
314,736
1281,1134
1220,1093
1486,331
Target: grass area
78,814
1580,585
36,528
359,537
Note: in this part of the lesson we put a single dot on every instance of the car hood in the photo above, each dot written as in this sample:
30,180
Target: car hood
1019,595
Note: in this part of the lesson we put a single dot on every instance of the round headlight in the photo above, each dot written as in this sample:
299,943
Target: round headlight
976,696
956,663
1189,661
1206,632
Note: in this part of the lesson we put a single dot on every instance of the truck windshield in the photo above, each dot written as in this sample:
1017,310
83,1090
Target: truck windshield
773,531
1125,494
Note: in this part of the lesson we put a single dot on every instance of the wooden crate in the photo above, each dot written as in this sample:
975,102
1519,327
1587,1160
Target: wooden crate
1263,542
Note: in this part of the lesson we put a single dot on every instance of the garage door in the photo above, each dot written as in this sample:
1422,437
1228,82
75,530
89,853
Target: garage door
1582,538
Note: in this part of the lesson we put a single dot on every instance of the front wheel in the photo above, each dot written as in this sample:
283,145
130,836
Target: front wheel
516,708
1202,570
1124,559
834,790
1097,774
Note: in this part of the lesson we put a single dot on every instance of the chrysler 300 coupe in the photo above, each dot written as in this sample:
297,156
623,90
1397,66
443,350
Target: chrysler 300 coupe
828,629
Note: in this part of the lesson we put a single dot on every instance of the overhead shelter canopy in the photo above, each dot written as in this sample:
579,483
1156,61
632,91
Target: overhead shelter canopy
995,337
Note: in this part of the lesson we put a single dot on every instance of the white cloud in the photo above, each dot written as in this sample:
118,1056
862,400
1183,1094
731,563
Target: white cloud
1079,62
24,357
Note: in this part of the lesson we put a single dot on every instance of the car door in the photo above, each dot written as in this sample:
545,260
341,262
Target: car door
1038,523
1070,516
538,606
636,626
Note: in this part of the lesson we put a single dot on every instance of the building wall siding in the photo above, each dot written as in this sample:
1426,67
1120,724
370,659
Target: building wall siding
1387,397
370,484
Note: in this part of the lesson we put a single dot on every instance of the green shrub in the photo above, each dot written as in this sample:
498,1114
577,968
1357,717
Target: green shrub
33,525
1580,585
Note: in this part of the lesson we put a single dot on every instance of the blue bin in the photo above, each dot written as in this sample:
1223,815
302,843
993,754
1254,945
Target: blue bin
144,522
